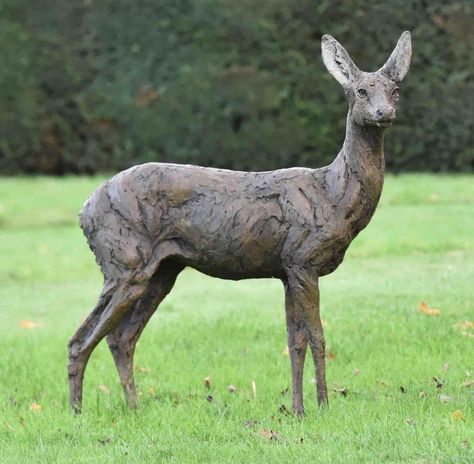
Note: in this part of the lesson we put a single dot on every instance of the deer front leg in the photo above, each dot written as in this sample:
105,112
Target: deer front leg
297,344
303,285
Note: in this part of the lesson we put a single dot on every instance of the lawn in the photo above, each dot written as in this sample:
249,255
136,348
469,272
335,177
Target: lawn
406,373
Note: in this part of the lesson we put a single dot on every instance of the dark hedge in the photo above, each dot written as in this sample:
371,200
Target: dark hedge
99,85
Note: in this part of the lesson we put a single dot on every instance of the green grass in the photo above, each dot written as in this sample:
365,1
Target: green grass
419,247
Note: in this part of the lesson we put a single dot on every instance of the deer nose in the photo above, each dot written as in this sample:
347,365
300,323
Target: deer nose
385,114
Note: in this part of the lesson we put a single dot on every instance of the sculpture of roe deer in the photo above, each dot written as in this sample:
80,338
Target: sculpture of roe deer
148,223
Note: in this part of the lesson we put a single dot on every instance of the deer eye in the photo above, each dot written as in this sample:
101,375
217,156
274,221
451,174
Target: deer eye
362,92
396,93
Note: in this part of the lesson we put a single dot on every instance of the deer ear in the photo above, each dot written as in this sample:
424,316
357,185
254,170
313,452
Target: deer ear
397,65
338,62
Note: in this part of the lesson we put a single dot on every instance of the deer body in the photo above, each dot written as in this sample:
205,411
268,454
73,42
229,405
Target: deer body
149,222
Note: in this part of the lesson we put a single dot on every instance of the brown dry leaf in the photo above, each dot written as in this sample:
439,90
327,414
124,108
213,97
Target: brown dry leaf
286,351
425,309
104,389
356,371
457,415
467,383
35,407
208,382
445,398
25,324
331,356
270,434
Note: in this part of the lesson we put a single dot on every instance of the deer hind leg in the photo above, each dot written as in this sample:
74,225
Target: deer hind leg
123,339
297,345
115,300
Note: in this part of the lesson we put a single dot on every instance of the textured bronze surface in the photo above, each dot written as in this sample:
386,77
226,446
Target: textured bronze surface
149,222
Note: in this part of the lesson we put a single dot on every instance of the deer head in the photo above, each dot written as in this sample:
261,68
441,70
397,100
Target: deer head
373,96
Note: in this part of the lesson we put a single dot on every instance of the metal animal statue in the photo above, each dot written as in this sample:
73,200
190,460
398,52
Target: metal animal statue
146,224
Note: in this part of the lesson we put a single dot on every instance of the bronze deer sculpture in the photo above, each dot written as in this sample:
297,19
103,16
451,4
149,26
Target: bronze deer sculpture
148,223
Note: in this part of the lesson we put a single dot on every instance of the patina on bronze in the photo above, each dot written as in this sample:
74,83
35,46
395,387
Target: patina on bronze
148,223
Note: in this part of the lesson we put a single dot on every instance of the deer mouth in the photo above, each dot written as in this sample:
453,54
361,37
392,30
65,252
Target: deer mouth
382,123
386,123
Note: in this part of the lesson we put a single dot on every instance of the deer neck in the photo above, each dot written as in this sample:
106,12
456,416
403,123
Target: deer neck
357,174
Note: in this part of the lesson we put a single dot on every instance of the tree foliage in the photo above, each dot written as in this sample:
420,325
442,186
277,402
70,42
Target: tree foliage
100,85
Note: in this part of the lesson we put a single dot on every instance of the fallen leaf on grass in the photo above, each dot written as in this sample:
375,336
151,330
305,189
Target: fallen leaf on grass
143,370
208,382
467,383
105,441
286,351
467,334
445,398
270,434
283,410
250,423
341,390
331,356
465,444
439,382
104,389
464,325
425,309
28,325
356,371
410,421
232,388
457,415
35,407
8,426
422,394
383,383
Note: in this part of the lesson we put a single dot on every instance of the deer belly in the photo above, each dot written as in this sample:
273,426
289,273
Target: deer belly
243,243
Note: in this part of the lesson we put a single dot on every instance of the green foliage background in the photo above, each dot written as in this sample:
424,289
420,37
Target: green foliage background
99,85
